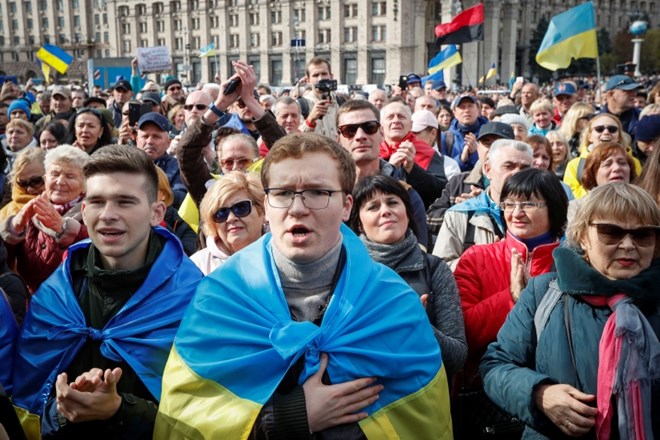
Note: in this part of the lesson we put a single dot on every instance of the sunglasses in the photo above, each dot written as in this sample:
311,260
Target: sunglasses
609,128
243,162
200,107
611,235
239,209
173,89
34,183
349,130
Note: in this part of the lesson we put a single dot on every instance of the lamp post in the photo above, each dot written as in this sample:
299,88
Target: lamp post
297,44
638,29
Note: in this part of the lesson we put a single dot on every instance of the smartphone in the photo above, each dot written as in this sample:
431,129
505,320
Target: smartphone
520,80
231,86
134,113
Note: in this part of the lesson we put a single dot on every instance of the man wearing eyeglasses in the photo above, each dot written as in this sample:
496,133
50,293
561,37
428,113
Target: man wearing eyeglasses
420,164
360,134
303,333
620,93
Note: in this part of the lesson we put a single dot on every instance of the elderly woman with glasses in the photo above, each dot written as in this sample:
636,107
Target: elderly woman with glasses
27,180
39,234
491,277
88,130
232,216
603,127
578,355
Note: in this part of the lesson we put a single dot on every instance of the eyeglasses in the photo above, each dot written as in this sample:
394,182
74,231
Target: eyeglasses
524,206
34,183
610,128
174,88
239,209
311,198
349,130
200,107
242,162
611,235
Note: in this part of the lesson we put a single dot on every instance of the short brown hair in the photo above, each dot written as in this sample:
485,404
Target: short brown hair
597,156
316,61
124,159
294,145
537,141
357,104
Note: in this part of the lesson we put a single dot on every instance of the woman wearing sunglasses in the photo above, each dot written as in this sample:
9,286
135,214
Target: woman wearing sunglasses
578,355
40,233
26,179
603,127
232,217
491,277
382,215
88,130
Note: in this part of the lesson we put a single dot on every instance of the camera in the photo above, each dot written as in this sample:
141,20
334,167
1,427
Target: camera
403,82
325,86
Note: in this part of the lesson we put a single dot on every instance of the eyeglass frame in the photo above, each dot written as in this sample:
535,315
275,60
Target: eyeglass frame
523,206
231,209
196,107
634,234
233,161
356,127
601,129
30,183
329,194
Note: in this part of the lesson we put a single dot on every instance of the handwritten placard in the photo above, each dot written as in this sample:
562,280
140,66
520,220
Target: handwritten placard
154,59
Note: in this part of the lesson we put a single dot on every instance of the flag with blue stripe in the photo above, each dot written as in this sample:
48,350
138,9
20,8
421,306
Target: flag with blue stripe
446,58
55,57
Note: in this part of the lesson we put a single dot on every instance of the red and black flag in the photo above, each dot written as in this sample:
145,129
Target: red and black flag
465,27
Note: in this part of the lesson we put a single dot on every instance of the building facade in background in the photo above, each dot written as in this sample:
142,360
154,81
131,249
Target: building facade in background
366,41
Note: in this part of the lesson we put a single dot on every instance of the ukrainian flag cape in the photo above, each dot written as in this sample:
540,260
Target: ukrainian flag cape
141,333
237,341
8,333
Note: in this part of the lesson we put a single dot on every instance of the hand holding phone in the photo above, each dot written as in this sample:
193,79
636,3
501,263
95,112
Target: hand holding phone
231,86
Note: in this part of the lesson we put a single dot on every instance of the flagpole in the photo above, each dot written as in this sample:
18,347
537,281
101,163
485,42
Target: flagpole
600,95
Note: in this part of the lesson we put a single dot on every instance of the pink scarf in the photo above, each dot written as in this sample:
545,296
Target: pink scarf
629,357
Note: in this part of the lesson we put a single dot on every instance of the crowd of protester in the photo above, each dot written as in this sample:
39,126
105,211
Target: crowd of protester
194,263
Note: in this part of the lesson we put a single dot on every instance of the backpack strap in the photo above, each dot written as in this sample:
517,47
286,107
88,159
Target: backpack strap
547,304
580,169
468,239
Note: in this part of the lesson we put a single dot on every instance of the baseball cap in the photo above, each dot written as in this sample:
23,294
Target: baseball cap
62,91
123,84
497,129
423,119
565,88
155,118
623,82
96,99
439,85
648,128
413,78
460,98
152,97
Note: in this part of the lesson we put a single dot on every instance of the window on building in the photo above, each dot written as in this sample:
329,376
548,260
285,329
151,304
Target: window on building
324,12
47,39
193,5
45,22
378,8
144,43
233,20
161,41
60,22
29,24
43,5
106,37
254,39
234,41
276,39
143,27
126,28
350,70
324,36
299,15
350,34
377,71
27,7
254,18
14,24
175,6
197,43
160,25
195,23
97,19
276,17
157,8
123,11
378,33
97,37
276,71
127,46
177,25
60,5
76,21
141,9
12,7
75,5
31,40
350,10
178,43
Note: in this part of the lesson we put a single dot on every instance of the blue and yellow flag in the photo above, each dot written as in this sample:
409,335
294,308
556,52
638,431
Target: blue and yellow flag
207,51
237,341
141,333
446,58
491,73
571,34
55,57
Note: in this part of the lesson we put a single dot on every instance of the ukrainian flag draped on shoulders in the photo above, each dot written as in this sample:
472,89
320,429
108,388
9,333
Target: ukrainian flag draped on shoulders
237,341
141,333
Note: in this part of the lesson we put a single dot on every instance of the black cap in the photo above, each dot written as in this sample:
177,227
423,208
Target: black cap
495,128
172,81
96,99
504,109
152,97
123,84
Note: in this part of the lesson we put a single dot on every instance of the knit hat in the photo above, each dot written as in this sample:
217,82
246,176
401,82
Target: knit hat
170,82
19,104
647,129
512,118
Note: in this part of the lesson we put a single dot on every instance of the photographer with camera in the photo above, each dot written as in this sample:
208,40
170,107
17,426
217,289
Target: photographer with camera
322,101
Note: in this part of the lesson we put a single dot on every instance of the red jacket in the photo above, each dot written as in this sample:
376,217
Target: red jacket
483,276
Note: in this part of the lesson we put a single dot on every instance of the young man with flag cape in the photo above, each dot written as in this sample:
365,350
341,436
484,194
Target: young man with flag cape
301,334
96,337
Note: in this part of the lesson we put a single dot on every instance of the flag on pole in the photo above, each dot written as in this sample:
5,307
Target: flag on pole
465,27
45,69
207,51
491,73
446,58
438,76
55,57
571,34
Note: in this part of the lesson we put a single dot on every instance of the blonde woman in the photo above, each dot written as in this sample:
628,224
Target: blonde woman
575,119
560,152
26,179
